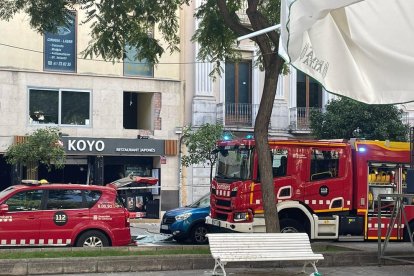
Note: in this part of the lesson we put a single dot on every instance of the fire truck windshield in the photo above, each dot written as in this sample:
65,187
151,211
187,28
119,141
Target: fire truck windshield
234,163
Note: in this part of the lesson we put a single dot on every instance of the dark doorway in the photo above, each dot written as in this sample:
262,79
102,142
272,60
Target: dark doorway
5,174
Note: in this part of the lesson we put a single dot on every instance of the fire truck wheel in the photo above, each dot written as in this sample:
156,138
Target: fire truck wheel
406,236
288,225
92,239
198,234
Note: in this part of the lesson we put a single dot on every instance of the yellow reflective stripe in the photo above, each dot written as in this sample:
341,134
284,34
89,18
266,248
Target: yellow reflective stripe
365,211
314,143
392,146
251,192
332,210
376,238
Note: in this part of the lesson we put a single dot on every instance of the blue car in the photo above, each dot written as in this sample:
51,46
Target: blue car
188,223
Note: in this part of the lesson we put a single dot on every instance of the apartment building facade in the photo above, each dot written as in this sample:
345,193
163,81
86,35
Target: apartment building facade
233,99
115,118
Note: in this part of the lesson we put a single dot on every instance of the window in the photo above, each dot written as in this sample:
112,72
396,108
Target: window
309,96
138,110
279,162
309,91
92,197
25,201
233,164
324,164
202,202
238,93
60,107
64,199
136,67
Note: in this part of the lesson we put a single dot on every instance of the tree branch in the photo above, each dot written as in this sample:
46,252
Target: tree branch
232,24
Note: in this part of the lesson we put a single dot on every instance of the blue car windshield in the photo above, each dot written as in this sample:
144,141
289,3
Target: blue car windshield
202,202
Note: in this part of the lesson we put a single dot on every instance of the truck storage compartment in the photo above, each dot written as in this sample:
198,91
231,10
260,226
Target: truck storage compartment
351,225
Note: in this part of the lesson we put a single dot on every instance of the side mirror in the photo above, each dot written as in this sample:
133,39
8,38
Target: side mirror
4,208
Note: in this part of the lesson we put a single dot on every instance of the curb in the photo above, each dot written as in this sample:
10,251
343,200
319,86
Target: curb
45,266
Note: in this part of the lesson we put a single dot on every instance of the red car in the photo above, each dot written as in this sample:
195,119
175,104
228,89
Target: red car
35,214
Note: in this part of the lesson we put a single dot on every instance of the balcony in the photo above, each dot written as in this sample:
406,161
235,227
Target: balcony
243,116
300,118
237,115
408,118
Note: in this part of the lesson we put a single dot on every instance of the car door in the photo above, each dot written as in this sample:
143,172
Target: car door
19,225
64,211
324,191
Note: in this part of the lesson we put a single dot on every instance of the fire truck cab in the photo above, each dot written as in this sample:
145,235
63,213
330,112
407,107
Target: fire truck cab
328,189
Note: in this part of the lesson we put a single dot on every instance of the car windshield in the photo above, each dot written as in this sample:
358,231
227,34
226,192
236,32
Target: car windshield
233,164
6,191
202,202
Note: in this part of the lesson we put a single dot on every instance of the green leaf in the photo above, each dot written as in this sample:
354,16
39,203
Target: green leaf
343,116
42,146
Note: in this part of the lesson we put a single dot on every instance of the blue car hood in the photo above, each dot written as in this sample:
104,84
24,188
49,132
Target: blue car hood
182,210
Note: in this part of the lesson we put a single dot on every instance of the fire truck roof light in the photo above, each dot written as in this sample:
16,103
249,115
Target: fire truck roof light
227,136
361,149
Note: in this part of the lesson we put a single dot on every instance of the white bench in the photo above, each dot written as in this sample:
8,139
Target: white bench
249,247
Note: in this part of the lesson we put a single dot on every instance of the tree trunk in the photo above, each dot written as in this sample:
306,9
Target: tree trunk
268,44
261,132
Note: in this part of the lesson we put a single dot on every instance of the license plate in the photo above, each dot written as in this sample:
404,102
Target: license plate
216,222
164,227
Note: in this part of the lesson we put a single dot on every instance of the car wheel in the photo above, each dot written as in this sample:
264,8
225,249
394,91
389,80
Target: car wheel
92,239
288,225
198,234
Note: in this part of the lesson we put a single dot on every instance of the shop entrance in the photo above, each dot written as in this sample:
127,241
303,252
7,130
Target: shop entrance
116,167
75,171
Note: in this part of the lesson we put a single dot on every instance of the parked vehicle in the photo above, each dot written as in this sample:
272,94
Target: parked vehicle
328,189
34,214
188,223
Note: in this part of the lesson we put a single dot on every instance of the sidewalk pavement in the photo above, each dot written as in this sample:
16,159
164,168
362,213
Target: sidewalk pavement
397,270
360,262
341,258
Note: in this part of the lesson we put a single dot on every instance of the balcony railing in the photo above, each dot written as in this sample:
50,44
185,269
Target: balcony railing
300,118
408,118
244,116
237,115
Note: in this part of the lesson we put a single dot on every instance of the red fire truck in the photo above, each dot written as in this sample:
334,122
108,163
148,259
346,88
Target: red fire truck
328,189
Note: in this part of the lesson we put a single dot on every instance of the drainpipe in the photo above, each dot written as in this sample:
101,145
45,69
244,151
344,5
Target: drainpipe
179,132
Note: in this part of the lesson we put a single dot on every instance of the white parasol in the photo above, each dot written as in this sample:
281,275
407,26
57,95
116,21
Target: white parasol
362,49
